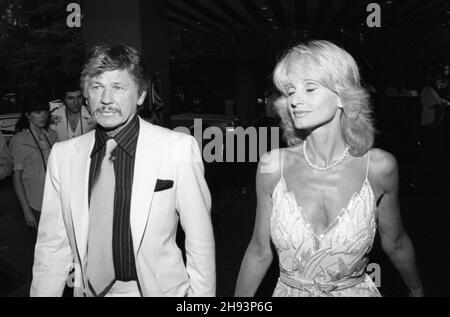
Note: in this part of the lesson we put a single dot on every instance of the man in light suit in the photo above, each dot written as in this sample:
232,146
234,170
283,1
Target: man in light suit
157,181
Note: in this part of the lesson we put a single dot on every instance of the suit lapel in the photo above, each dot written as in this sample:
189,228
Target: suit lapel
148,159
79,179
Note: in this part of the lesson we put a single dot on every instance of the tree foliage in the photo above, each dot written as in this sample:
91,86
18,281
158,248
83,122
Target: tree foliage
37,48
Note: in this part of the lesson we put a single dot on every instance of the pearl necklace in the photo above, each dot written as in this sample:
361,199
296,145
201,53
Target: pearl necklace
339,160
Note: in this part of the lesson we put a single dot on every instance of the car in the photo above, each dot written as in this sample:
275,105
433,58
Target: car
9,115
8,124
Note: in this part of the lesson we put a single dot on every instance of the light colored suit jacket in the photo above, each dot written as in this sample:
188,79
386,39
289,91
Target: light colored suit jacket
64,224
61,127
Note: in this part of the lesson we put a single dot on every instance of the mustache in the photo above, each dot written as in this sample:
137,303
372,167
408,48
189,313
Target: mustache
107,109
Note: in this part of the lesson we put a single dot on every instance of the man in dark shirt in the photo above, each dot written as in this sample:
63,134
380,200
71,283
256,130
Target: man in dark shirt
114,196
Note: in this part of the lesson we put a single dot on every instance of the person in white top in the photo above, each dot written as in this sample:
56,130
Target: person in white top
71,119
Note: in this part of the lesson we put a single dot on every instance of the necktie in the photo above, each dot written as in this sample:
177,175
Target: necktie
100,265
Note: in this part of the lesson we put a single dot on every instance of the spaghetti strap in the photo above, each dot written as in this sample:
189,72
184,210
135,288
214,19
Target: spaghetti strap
281,165
368,164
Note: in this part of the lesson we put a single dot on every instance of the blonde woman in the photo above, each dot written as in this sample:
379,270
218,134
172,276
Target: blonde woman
321,199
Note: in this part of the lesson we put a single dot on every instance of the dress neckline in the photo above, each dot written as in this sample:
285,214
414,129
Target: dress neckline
341,213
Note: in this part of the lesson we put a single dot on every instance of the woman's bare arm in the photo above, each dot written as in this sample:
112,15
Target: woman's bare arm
394,239
258,255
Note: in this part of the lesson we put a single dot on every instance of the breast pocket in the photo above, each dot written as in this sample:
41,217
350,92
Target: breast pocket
163,185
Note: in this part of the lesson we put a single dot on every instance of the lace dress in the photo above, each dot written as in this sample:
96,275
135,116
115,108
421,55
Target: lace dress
332,263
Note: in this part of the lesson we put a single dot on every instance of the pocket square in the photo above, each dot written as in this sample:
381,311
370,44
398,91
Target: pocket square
163,184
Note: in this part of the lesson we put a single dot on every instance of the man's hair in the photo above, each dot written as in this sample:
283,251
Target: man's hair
110,57
337,70
70,86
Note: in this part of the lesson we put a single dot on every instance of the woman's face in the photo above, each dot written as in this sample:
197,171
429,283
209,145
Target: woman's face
38,118
310,103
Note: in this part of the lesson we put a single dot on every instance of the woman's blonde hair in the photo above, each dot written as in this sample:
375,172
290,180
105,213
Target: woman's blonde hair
337,70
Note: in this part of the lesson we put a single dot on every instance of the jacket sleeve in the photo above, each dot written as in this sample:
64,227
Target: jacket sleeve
53,257
193,201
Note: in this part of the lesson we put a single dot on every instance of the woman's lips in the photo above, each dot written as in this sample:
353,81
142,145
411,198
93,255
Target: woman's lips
300,114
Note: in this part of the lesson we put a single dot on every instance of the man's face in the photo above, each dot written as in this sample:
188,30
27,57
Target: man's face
113,98
73,101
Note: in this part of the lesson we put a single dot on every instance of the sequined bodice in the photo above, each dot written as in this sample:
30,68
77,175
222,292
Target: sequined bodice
339,254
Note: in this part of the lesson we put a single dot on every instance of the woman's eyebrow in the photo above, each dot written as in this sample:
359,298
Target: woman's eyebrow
313,81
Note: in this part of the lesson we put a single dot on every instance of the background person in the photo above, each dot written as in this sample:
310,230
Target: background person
431,132
71,119
30,148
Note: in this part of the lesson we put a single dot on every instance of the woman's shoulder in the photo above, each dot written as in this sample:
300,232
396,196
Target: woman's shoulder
271,160
274,164
20,136
383,165
382,159
269,168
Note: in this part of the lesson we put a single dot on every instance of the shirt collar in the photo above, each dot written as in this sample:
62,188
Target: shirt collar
126,139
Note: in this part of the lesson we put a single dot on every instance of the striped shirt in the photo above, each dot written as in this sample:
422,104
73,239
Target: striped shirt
124,158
